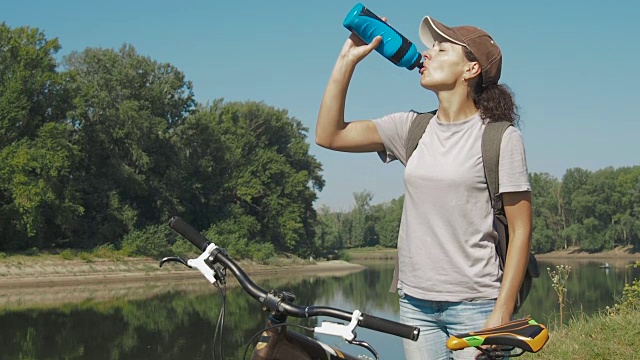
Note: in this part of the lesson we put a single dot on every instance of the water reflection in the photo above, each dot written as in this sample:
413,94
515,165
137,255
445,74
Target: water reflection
179,324
590,288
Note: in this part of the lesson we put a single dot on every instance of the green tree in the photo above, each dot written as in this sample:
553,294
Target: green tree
329,230
576,201
572,181
548,212
362,221
272,178
34,174
125,108
626,219
32,93
202,173
594,211
635,196
36,156
387,221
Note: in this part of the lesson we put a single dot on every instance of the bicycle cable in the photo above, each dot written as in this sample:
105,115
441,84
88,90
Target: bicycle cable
220,324
269,328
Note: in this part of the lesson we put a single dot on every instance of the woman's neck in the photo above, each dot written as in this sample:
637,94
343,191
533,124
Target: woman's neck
454,107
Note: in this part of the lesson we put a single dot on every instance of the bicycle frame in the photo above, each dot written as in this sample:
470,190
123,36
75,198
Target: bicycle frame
280,343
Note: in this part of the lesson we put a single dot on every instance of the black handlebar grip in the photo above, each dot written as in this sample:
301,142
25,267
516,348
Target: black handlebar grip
390,327
189,233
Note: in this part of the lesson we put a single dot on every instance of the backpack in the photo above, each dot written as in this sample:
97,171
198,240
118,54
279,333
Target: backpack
491,139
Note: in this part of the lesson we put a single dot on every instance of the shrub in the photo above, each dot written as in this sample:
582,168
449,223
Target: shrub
67,254
630,299
154,241
344,255
261,252
107,251
239,247
183,247
32,251
86,256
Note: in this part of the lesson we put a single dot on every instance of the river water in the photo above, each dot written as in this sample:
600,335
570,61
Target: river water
180,324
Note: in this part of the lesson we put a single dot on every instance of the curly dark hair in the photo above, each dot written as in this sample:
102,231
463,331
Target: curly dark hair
496,101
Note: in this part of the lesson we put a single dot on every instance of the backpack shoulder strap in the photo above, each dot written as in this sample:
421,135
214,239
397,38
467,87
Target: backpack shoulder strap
416,130
491,139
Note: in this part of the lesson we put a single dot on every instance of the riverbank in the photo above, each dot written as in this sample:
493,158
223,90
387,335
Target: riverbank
602,336
50,280
621,252
44,270
625,252
26,271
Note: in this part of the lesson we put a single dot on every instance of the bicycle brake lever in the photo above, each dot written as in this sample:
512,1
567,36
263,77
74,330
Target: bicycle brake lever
200,263
346,332
174,259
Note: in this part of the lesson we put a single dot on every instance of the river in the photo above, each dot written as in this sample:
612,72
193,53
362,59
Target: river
180,324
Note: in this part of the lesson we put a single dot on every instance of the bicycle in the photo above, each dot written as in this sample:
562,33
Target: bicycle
279,342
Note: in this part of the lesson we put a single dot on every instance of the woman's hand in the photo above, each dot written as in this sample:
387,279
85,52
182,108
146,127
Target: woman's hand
355,49
496,318
332,132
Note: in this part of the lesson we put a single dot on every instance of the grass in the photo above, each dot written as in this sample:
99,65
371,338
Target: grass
101,252
376,252
612,334
109,252
600,336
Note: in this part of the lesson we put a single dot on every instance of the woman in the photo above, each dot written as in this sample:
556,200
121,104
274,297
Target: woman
449,276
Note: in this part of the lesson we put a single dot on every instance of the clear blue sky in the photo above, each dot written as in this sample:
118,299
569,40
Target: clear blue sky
573,66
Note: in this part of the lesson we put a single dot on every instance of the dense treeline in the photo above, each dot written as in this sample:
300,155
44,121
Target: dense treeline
594,211
106,146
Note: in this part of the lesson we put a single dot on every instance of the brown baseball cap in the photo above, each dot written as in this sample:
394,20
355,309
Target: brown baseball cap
477,40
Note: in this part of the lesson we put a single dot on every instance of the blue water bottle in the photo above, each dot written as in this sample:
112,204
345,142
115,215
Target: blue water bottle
395,47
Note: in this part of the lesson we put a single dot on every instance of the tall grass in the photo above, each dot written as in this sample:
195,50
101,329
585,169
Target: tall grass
559,278
600,336
613,333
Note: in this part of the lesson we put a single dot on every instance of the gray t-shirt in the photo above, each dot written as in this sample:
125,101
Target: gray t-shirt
446,244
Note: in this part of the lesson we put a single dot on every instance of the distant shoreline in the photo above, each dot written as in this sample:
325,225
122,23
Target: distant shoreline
25,271
49,271
27,278
625,252
48,281
622,253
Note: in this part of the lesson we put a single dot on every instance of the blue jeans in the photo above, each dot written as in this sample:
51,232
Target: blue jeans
438,320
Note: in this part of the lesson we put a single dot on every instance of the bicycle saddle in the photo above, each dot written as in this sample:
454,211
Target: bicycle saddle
525,334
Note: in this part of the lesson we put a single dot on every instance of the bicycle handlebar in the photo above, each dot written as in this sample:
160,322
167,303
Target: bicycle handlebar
189,233
283,305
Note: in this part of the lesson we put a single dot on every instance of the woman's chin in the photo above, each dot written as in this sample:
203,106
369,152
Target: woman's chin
427,85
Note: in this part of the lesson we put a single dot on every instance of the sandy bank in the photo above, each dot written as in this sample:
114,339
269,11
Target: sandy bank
622,252
42,281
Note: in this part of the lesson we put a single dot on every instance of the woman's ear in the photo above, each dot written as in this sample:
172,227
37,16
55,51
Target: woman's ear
472,70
